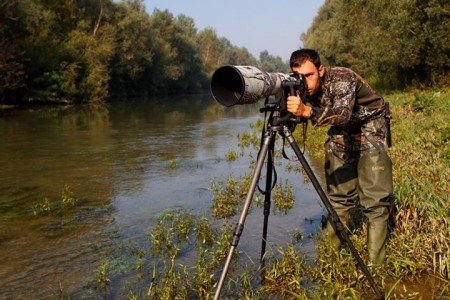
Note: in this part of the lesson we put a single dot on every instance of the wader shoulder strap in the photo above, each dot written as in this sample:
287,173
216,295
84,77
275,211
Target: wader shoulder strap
372,140
387,117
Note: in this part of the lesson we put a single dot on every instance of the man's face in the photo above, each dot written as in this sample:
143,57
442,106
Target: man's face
312,75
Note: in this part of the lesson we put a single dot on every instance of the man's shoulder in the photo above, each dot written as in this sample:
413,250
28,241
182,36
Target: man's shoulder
339,80
340,73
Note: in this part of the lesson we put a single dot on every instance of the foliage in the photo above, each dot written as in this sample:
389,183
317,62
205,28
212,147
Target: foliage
283,197
227,197
92,51
393,43
65,204
269,63
285,275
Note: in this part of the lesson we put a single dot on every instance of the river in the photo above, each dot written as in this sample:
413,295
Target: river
116,163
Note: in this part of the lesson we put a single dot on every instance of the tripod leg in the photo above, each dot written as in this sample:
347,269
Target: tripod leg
267,204
340,228
270,135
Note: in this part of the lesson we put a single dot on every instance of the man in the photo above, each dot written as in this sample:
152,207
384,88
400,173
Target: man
357,166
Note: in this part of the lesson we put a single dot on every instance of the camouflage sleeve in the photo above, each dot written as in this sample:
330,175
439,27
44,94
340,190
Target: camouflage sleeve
338,99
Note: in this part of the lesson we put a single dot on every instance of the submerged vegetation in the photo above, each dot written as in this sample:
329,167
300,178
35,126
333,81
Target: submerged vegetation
25,202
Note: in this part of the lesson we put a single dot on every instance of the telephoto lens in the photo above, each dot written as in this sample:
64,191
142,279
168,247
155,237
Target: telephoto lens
231,85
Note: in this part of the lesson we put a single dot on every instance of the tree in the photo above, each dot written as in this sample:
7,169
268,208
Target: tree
135,49
436,36
391,42
190,68
90,48
218,51
270,63
213,50
12,75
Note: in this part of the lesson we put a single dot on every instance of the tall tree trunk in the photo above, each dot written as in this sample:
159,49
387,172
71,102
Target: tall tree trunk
97,24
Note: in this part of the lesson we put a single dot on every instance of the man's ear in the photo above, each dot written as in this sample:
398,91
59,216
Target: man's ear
321,70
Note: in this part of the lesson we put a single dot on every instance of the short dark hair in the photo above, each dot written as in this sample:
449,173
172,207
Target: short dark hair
298,57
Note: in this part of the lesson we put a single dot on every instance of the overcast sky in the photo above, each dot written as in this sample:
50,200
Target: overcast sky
257,25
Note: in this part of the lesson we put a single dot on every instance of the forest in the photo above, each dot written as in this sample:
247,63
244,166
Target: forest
395,44
94,51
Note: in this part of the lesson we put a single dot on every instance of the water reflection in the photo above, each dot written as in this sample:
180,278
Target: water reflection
116,160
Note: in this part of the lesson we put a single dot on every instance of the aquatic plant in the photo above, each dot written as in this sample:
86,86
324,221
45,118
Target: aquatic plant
231,155
227,196
67,197
173,164
283,197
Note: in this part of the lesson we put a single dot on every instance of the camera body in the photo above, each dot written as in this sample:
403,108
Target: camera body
295,84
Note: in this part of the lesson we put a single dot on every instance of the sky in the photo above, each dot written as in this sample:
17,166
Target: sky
258,25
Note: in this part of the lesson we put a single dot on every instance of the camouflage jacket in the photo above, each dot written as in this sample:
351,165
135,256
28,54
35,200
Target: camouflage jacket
352,108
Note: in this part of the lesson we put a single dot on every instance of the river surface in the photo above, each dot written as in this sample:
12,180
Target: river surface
123,164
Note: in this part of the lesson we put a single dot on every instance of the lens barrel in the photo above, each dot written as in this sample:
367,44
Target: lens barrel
231,85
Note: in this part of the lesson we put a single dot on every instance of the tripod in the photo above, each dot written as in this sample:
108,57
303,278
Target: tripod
278,125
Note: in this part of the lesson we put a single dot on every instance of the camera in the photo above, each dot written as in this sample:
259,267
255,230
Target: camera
231,85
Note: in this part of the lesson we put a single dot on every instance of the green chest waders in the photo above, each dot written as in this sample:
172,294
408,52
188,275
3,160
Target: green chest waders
368,178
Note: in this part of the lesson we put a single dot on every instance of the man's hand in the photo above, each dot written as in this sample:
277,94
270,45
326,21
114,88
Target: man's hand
295,106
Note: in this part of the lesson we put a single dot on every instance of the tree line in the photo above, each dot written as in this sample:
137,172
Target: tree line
95,50
393,43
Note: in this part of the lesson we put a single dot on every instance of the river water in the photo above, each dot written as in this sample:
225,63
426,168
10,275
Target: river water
117,162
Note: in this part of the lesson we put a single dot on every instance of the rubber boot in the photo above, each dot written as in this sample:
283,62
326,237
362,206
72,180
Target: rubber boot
376,242
333,240
332,237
